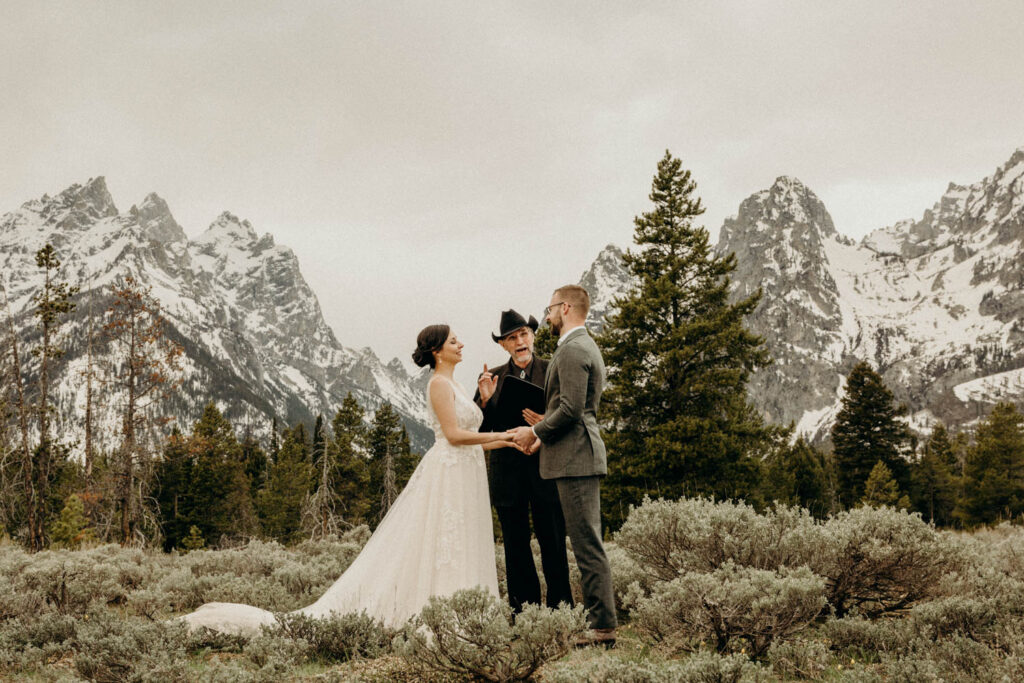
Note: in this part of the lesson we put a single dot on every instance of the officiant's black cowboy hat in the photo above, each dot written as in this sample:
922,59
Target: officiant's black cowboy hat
512,321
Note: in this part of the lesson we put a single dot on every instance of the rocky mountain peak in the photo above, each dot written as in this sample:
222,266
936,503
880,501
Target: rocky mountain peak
229,230
606,279
93,198
156,221
77,207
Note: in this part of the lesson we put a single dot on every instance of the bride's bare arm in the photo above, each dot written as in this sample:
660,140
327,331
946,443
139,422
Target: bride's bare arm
491,445
442,398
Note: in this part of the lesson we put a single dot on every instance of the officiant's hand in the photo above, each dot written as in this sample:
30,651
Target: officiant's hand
487,384
531,417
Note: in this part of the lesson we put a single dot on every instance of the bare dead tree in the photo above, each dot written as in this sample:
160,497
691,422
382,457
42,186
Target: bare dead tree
144,366
22,410
90,376
320,516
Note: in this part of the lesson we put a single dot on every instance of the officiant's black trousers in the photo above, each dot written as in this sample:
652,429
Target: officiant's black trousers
520,570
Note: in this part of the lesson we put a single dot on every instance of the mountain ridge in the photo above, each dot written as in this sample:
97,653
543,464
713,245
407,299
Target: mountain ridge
254,335
935,304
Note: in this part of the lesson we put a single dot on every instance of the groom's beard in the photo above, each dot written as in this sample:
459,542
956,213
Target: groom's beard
556,327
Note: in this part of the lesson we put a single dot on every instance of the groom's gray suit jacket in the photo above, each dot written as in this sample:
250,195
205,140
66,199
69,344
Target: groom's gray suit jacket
571,444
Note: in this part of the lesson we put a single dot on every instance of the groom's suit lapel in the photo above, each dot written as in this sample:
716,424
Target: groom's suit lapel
552,365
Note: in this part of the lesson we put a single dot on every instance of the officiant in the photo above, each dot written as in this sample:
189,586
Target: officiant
517,490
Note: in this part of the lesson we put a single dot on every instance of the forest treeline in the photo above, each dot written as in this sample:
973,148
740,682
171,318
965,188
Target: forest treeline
676,415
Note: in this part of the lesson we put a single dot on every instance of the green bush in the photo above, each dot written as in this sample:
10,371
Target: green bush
799,659
471,635
670,538
339,638
881,560
701,667
730,604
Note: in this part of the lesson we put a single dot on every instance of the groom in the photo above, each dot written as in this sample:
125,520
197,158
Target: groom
572,452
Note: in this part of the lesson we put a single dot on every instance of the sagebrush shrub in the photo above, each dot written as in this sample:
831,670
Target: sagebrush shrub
881,560
470,634
730,604
700,667
670,538
338,638
799,658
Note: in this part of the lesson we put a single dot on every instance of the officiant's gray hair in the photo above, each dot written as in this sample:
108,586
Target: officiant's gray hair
575,295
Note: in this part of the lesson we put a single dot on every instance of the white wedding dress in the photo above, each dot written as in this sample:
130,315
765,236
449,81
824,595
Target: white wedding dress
436,539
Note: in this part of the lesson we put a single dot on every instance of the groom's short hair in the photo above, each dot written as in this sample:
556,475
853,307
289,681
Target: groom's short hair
576,296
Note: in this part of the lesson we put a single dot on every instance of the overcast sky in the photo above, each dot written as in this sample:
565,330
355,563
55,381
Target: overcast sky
438,161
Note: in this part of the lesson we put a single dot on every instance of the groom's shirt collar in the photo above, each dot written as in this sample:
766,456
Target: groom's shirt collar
565,335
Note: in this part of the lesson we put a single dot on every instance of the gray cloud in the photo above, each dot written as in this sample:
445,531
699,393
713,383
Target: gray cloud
448,160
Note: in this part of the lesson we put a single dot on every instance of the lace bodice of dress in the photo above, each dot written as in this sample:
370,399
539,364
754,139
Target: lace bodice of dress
467,414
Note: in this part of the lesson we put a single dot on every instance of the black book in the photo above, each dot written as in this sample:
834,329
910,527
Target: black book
516,395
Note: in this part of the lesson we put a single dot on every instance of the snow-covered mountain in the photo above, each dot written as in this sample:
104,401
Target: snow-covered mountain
254,337
936,304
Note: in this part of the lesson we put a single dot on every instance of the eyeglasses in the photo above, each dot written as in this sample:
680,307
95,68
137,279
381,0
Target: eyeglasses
547,309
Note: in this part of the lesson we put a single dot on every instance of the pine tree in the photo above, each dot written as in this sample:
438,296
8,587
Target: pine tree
881,489
933,483
545,342
255,462
796,475
72,529
317,451
40,469
289,478
173,490
993,482
679,358
194,540
349,452
391,460
219,487
867,430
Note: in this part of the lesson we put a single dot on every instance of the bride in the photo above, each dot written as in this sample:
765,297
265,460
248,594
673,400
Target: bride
437,537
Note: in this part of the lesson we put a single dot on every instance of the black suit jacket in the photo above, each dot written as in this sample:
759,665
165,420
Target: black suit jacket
513,476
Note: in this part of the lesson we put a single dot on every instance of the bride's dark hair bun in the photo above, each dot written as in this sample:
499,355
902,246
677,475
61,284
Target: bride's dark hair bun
430,339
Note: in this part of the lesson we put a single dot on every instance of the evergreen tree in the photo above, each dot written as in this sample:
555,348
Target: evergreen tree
173,484
679,358
545,342
72,529
993,483
933,483
255,462
881,489
796,475
289,478
391,460
219,487
202,482
317,451
867,430
348,452
194,540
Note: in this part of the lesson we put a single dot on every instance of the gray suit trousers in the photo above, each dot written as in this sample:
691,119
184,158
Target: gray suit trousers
581,505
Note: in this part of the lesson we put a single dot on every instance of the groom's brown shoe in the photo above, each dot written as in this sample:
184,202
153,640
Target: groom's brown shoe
604,637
